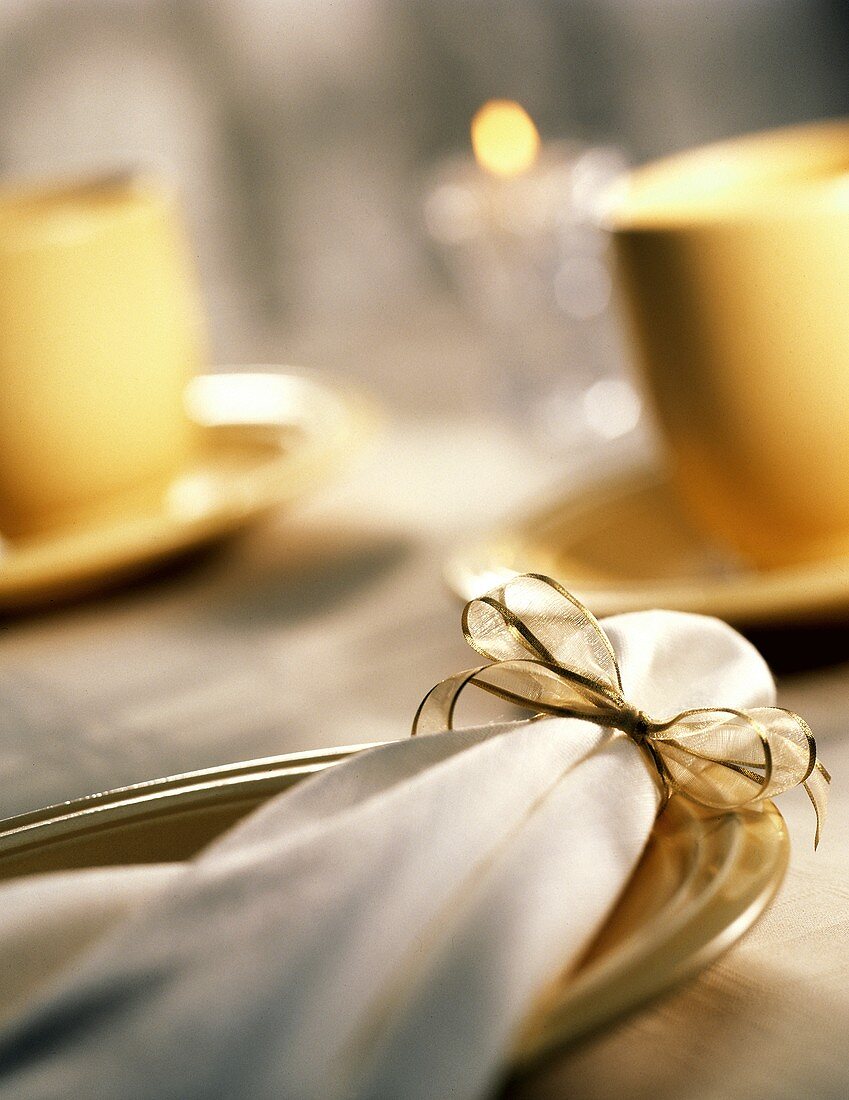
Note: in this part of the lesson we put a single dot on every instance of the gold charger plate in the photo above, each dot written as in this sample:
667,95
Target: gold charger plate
701,883
626,545
265,439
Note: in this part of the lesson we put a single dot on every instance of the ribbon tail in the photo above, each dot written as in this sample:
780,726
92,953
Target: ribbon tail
816,788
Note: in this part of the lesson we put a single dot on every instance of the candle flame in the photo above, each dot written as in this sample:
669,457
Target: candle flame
504,138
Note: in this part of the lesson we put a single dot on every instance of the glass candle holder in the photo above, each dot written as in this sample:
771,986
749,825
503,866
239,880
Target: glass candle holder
529,259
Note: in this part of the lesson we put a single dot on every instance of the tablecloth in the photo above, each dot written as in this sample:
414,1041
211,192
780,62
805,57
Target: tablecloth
270,644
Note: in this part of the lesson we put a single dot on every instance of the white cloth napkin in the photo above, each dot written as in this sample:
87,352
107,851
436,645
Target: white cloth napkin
380,931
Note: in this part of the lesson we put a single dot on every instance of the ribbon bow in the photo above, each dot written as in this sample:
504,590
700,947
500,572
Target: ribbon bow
551,656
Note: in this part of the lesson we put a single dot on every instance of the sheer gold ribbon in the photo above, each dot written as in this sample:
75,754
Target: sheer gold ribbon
551,656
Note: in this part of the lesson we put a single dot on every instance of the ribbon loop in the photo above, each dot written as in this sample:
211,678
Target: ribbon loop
533,616
551,656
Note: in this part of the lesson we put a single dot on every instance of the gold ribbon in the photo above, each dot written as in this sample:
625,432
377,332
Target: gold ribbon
551,656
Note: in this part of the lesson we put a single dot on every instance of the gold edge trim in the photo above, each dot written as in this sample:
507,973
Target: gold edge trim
174,785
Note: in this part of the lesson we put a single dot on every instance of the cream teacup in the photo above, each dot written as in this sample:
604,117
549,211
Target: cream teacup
734,262
100,330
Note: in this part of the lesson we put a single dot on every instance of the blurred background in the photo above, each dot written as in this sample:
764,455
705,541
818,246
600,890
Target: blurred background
322,150
304,138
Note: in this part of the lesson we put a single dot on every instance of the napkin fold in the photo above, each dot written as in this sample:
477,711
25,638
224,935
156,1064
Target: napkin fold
379,931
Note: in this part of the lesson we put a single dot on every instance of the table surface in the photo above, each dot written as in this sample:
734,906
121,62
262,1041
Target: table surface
326,625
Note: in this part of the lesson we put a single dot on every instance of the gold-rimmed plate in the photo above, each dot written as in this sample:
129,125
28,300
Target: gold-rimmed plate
701,883
266,438
624,544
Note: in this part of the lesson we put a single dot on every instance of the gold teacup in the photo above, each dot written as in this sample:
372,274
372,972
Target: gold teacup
734,262
100,330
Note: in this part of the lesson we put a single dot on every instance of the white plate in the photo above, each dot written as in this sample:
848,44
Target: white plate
702,882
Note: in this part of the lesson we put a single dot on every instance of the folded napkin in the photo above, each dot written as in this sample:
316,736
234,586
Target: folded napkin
379,931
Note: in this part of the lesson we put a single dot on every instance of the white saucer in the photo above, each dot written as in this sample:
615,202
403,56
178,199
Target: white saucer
625,545
267,438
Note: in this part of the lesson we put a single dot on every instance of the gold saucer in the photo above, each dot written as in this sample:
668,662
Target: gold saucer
266,438
625,545
701,883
